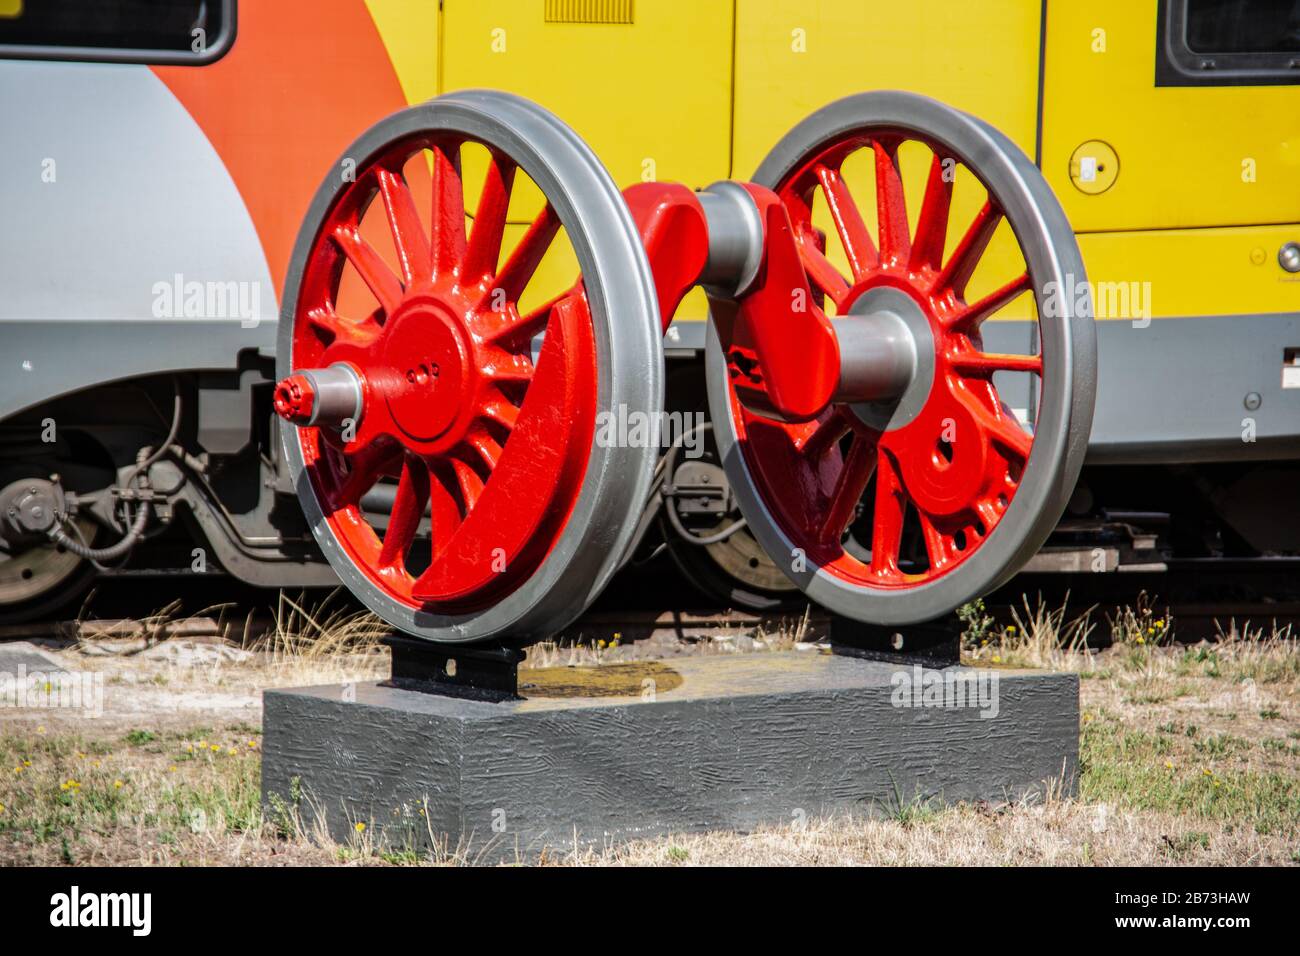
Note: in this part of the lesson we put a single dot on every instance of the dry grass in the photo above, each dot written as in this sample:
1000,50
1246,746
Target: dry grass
1188,755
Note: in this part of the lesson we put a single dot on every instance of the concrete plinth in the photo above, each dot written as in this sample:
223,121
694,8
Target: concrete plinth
606,754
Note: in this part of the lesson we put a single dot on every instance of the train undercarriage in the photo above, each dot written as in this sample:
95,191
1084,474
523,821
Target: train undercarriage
217,501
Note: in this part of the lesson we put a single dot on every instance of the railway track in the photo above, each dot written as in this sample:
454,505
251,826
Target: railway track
1202,602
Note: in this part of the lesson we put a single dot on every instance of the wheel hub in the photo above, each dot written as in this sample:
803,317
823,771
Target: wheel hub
887,333
429,372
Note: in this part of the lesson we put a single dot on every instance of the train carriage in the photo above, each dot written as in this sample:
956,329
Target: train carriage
160,158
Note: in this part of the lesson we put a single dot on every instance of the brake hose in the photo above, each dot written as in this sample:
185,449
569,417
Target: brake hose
144,459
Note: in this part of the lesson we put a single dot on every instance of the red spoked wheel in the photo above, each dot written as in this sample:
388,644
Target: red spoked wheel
900,510
445,404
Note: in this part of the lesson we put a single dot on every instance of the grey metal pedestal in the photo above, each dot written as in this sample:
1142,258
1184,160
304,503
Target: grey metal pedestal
601,755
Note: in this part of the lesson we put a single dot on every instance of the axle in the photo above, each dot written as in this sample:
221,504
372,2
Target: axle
787,358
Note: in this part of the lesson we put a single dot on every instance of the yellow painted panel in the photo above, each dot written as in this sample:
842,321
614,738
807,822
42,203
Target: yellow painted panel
652,98
1196,271
795,56
409,29
1181,149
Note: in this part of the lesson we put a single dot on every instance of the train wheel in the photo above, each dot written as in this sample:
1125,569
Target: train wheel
898,512
37,579
453,375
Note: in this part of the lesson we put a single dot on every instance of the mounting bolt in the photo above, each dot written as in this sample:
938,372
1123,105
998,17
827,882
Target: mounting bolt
1253,401
1288,257
896,641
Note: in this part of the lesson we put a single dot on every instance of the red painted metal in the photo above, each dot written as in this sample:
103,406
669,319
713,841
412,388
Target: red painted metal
294,399
495,446
491,444
957,464
781,350
676,238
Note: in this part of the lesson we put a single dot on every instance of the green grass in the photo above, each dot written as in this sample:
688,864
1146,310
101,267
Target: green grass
1145,771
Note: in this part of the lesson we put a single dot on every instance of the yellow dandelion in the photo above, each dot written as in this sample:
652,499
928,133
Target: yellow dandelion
1140,639
172,768
18,769
40,730
118,785
27,763
997,659
1218,783
215,748
601,644
1169,765
1011,629
1208,772
94,763
252,743
232,751
360,827
2,808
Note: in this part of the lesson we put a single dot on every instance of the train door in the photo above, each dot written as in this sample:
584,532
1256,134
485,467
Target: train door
1171,134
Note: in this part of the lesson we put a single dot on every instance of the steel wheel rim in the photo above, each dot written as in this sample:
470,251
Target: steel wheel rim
613,481
1068,351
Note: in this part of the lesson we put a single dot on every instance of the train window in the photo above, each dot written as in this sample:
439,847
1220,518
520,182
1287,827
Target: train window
1228,42
191,32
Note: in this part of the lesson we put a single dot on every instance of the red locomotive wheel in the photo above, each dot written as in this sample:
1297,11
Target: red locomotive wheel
899,511
428,386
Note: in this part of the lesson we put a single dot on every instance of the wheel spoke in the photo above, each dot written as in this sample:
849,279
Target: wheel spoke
968,320
956,274
510,367
365,467
325,319
932,225
816,437
523,262
501,410
374,272
859,465
891,203
444,511
821,272
858,247
484,250
485,446
1002,429
409,240
408,508
508,327
988,514
448,212
887,519
937,546
471,485
996,362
